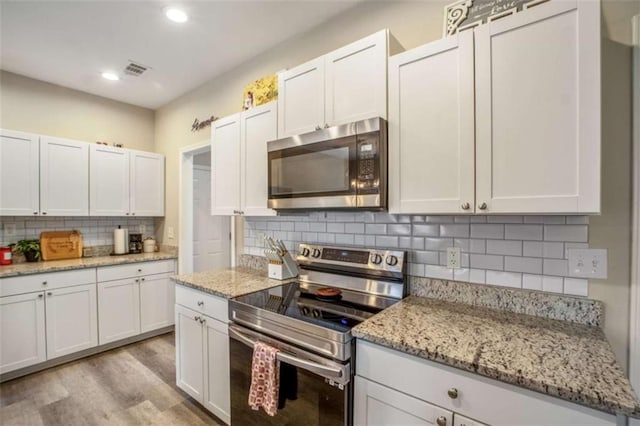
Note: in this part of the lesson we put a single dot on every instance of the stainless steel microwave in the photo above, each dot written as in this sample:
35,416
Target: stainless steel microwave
342,167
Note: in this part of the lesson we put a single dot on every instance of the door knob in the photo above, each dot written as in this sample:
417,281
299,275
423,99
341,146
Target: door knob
482,206
465,206
441,421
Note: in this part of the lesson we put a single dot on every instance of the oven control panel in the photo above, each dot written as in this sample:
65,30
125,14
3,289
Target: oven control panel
371,259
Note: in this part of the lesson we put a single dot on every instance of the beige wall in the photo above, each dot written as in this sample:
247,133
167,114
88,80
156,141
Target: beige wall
34,106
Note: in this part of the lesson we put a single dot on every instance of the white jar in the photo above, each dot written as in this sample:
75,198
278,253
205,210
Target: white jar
149,245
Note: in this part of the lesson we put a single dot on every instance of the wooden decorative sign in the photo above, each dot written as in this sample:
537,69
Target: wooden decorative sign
199,125
465,14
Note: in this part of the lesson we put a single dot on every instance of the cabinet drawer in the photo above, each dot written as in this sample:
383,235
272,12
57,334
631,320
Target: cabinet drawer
215,307
48,281
487,400
119,272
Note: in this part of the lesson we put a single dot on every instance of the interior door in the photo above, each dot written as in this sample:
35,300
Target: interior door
19,174
225,163
211,242
64,177
538,110
22,331
431,128
72,320
147,184
109,181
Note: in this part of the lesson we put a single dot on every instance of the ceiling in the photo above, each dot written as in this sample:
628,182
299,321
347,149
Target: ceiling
70,43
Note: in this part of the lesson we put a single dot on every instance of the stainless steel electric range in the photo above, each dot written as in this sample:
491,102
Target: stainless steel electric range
310,322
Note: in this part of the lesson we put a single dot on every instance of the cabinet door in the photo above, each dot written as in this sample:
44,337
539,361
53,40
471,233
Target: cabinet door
225,163
119,305
22,331
431,128
190,350
147,184
19,172
538,110
356,81
257,127
301,98
64,177
459,420
109,181
72,320
157,299
217,387
375,404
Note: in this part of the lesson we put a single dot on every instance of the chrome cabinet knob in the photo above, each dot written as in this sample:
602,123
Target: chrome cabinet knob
326,125
441,421
139,270
482,206
202,320
200,303
133,213
44,283
318,127
196,318
49,293
453,393
35,212
137,280
127,213
141,279
465,206
40,296
44,212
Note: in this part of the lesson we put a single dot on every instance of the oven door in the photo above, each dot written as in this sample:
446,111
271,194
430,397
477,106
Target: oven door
309,174
318,403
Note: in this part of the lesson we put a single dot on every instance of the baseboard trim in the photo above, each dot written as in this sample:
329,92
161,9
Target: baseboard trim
82,354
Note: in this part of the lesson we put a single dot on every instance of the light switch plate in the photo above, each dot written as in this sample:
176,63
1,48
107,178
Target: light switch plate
588,263
170,233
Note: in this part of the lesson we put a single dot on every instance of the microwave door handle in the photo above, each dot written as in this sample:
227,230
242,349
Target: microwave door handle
289,359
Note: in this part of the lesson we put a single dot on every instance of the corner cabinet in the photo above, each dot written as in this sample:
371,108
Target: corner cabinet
535,77
346,85
19,174
239,162
421,392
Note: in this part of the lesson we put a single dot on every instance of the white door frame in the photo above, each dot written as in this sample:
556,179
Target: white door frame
634,325
185,229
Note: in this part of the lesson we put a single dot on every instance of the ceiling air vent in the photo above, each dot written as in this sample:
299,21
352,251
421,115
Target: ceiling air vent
135,69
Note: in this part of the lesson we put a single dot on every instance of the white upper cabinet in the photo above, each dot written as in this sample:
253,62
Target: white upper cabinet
356,81
225,163
431,130
537,117
147,184
239,161
19,174
258,126
109,181
346,85
64,177
301,98
538,110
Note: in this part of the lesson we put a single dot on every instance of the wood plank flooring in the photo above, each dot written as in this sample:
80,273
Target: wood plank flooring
131,385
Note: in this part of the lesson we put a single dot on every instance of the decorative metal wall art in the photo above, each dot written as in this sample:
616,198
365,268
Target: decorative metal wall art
199,125
465,14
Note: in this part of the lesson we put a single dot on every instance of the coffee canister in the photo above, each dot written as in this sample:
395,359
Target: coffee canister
149,245
6,257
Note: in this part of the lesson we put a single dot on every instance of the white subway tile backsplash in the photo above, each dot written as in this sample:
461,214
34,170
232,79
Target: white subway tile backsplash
517,251
570,246
569,233
506,247
493,231
523,232
506,279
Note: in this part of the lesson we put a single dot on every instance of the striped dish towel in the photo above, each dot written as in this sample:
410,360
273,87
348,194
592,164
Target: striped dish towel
265,377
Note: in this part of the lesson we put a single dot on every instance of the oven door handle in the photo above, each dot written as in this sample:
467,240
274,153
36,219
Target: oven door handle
313,367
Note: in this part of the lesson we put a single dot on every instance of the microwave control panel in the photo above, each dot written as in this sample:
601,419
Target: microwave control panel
368,174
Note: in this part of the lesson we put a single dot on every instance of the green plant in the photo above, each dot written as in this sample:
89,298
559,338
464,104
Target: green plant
30,248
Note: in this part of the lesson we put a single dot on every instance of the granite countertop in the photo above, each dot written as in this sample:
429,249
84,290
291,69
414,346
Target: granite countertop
28,268
562,359
229,283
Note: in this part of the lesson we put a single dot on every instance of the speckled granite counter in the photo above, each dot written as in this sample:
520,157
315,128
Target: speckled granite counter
566,360
85,262
229,283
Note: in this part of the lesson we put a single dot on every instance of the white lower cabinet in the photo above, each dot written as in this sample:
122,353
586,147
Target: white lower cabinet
119,304
156,302
202,350
22,331
418,392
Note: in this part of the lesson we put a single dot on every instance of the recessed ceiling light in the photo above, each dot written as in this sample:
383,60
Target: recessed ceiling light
176,15
110,76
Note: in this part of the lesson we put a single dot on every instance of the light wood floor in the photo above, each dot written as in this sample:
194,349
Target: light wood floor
131,385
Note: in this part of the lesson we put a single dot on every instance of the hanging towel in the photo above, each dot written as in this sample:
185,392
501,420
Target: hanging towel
288,384
265,378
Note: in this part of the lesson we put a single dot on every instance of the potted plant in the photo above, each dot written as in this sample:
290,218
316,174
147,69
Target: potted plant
30,249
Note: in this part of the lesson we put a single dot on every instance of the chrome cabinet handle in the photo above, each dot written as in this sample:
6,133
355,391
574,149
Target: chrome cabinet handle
200,303
318,127
137,280
35,212
40,296
441,421
49,293
465,206
127,213
202,320
44,212
196,318
141,279
326,125
482,206
453,393
133,213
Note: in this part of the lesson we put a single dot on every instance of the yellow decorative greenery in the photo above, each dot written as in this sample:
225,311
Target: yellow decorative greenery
264,90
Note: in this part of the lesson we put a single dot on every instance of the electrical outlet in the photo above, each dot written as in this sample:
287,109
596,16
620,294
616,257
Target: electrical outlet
453,257
588,263
170,233
9,230
142,229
